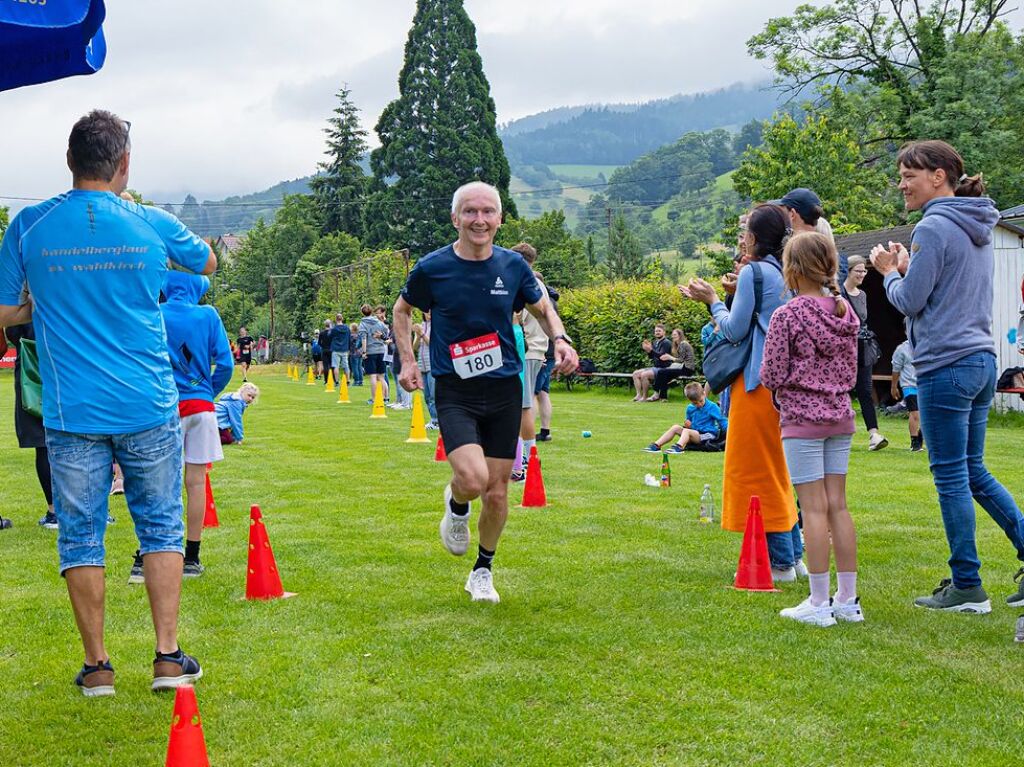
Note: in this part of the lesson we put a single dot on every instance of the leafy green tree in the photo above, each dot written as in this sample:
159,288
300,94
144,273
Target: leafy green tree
561,258
339,190
332,250
4,220
439,133
626,259
815,155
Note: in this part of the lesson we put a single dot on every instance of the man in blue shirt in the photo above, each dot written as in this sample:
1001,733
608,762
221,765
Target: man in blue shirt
471,289
341,337
86,267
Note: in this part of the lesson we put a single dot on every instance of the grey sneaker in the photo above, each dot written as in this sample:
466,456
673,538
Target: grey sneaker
1018,635
1017,600
948,597
136,575
192,570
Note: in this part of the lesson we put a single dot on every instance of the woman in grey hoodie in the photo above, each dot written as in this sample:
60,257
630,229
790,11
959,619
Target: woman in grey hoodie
944,282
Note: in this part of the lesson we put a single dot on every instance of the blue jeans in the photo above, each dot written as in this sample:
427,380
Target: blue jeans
357,370
80,465
954,403
428,394
784,549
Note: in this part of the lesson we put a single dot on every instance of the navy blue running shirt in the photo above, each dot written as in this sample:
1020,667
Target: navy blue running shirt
468,299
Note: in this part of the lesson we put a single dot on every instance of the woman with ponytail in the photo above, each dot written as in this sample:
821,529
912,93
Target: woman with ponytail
754,461
945,282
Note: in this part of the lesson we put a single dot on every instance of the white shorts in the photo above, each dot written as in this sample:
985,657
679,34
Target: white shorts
201,436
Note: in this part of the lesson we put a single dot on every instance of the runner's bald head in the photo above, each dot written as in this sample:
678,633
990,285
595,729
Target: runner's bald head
474,187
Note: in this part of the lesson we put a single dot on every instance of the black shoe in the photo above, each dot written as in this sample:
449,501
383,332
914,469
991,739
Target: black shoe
96,681
5,523
172,670
544,436
192,570
137,574
48,520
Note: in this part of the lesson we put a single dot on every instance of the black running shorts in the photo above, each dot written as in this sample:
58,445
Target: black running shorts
480,411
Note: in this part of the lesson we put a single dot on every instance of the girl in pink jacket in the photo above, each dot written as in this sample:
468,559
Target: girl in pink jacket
810,364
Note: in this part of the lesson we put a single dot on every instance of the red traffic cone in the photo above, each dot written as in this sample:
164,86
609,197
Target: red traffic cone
210,518
262,578
754,572
440,455
533,494
186,747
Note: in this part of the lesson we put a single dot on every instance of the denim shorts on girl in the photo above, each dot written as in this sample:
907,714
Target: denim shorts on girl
81,469
809,460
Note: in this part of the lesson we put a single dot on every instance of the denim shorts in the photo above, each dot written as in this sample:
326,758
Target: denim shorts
544,377
80,465
809,460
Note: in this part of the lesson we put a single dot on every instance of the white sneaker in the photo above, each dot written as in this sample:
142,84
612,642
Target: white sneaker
805,612
454,530
801,569
783,575
850,612
877,442
480,586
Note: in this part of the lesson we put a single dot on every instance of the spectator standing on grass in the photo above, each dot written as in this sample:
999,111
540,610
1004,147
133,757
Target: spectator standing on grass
809,364
323,340
421,348
372,333
29,429
341,339
944,288
94,265
536,341
867,350
681,364
904,378
543,386
659,351
355,355
754,460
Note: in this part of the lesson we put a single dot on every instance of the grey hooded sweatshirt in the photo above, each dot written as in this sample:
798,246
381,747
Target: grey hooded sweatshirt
946,294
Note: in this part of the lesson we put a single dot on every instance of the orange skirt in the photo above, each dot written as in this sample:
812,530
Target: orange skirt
755,463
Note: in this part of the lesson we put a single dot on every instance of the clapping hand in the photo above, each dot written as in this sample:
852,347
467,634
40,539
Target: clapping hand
729,282
699,290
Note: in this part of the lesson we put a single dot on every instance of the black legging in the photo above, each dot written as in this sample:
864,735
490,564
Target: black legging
867,402
43,472
664,376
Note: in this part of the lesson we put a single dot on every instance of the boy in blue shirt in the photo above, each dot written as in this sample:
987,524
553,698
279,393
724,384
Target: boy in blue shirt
704,428
905,377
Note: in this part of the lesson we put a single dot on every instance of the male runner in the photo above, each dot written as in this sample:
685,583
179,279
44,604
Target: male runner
471,289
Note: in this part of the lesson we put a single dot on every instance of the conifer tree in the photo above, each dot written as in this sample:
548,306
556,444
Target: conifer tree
338,192
439,133
626,260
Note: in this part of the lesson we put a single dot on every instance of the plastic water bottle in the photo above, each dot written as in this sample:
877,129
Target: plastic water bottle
707,506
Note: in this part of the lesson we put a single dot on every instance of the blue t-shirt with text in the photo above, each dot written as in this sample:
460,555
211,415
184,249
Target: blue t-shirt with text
94,264
468,299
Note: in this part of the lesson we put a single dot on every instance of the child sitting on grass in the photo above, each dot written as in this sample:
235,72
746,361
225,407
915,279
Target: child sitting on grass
703,429
230,409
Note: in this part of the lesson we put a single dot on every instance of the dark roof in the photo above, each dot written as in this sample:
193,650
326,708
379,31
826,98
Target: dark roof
861,243
1017,211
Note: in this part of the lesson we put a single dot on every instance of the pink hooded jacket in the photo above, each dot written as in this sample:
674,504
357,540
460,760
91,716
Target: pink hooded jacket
810,363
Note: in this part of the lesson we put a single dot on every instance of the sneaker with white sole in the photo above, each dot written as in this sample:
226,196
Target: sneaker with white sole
783,574
849,611
806,612
174,670
480,586
1017,600
48,520
801,569
96,681
137,575
877,441
454,530
1018,634
947,597
192,570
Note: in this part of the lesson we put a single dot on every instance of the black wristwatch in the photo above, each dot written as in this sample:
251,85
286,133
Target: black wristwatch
563,337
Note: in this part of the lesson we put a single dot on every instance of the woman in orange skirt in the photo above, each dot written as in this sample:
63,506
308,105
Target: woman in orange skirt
754,461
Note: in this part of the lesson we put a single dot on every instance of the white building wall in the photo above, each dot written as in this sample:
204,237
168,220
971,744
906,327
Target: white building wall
1009,270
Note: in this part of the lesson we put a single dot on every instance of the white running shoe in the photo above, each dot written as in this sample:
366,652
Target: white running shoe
801,569
783,574
805,612
877,441
480,586
850,612
454,530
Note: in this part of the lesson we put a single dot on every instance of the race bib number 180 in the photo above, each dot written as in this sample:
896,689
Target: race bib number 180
476,356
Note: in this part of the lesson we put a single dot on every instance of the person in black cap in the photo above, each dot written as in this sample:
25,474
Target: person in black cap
804,208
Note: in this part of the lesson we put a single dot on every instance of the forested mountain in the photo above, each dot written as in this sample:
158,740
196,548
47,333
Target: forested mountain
239,213
617,135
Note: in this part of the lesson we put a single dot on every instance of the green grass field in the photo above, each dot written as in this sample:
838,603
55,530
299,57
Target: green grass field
618,640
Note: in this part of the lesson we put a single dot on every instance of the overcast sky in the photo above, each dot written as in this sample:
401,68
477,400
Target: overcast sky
229,97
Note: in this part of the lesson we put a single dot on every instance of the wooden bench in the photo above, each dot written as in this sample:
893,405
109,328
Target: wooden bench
607,378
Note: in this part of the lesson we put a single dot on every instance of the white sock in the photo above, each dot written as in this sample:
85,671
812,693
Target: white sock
527,444
819,588
847,586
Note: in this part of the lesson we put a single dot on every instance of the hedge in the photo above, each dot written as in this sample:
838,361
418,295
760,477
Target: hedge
608,321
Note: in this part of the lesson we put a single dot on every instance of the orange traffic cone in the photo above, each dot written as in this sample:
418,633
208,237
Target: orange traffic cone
533,494
210,519
262,578
440,455
754,572
186,746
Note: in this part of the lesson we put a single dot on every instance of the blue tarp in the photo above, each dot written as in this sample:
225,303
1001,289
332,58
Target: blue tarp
43,40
